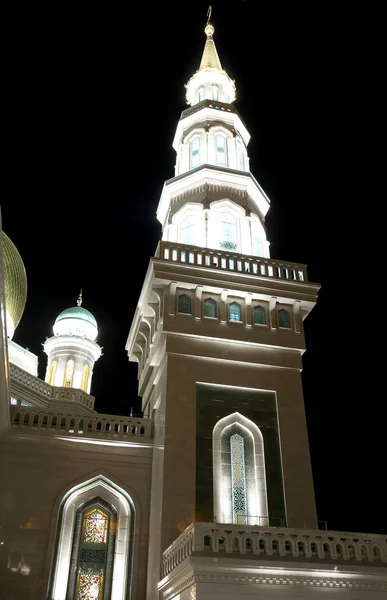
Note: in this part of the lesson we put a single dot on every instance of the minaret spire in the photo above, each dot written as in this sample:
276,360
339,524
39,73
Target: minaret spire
210,58
79,301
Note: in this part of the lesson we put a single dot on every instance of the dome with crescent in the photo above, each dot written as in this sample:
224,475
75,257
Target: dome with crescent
15,284
77,321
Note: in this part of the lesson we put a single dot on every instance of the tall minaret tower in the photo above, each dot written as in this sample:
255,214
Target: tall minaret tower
72,350
218,337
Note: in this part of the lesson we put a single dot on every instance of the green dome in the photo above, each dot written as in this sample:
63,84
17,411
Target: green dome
15,281
77,312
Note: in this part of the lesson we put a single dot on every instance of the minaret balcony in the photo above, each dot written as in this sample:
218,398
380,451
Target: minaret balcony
231,262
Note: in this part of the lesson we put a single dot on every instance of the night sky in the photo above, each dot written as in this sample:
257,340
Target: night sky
93,100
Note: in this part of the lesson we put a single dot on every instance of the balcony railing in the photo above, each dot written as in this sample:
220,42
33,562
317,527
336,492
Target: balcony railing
266,542
231,261
30,381
106,427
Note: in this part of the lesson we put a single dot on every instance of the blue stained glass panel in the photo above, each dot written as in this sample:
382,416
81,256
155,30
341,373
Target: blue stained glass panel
235,312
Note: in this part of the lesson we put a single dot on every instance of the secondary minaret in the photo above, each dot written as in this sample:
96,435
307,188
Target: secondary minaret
218,337
72,350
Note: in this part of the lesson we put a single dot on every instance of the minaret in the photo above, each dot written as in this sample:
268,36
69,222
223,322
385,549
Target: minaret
72,350
218,337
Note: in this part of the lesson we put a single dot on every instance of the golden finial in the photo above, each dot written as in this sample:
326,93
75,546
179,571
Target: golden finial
79,301
209,29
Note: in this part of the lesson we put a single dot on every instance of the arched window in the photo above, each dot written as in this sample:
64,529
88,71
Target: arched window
195,152
68,379
209,308
200,94
228,234
238,479
188,230
184,304
241,157
215,92
91,554
91,562
239,472
85,378
234,312
221,151
259,315
51,376
284,318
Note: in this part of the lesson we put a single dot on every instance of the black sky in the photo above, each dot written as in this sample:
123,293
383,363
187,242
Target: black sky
93,98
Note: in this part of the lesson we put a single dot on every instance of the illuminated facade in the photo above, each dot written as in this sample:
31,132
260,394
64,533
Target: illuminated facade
210,494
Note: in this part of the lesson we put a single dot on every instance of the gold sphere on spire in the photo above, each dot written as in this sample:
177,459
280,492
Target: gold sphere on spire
209,29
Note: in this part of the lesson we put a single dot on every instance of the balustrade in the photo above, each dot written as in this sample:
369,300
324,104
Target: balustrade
79,425
231,261
304,544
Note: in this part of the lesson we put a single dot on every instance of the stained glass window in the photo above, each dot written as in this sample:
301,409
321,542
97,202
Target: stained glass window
85,377
228,232
234,311
68,380
184,304
221,158
195,152
238,478
284,318
92,555
95,523
215,92
201,94
259,315
188,230
209,307
52,372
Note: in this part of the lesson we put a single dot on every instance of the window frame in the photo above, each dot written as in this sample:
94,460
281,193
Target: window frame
216,303
290,313
185,295
191,150
225,149
257,305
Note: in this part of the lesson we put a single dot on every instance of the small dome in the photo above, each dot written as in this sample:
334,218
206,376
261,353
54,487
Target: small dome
77,312
76,321
15,283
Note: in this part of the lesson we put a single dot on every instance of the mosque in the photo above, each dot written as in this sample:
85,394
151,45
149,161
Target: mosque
209,495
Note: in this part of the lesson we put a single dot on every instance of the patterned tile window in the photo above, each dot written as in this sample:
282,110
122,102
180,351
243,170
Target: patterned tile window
259,315
284,318
234,311
184,304
238,477
209,308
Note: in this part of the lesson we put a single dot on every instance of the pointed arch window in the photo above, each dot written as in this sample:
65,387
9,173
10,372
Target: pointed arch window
259,315
51,376
184,304
215,92
228,231
284,318
85,378
201,94
210,308
68,379
195,152
188,229
234,312
221,151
